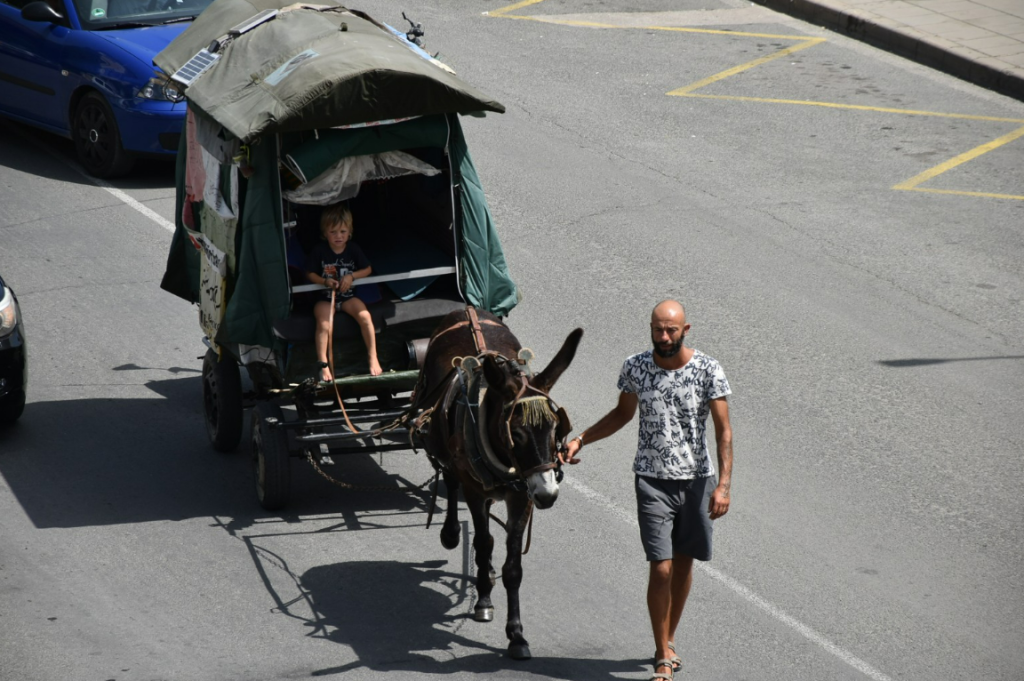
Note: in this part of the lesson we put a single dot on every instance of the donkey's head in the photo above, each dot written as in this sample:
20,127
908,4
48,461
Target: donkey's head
524,424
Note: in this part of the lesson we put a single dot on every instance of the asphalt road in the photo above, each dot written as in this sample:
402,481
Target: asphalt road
855,268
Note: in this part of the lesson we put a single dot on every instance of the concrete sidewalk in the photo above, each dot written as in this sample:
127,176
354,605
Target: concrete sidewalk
980,41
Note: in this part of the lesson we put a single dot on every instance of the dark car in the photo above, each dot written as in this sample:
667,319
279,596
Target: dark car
13,357
84,69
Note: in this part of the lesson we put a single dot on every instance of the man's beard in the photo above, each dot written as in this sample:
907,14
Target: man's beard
672,351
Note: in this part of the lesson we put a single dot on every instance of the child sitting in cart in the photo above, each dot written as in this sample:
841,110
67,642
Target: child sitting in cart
336,263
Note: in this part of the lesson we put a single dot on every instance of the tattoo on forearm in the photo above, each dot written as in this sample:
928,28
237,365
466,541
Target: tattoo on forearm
725,468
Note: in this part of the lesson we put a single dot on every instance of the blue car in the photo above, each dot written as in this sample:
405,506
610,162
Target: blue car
84,69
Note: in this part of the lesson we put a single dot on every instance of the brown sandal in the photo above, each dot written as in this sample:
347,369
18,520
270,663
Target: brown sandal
656,676
677,662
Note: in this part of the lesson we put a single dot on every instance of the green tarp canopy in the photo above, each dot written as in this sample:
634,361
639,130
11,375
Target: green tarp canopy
310,67
318,67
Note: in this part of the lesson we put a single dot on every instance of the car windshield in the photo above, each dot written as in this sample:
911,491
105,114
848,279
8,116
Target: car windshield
98,15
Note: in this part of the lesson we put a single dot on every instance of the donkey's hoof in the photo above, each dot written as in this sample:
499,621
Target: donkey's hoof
450,540
519,651
484,614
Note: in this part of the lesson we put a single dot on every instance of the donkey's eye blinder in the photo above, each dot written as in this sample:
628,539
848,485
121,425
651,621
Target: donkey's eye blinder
563,426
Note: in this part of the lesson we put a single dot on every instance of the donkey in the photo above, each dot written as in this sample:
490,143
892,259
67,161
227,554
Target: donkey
494,432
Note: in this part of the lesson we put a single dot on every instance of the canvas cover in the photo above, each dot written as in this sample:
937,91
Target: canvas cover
256,288
312,67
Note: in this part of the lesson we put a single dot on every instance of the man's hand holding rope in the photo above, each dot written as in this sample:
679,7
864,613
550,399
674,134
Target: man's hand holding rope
572,448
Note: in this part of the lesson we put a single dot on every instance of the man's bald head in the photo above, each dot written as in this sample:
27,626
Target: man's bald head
669,310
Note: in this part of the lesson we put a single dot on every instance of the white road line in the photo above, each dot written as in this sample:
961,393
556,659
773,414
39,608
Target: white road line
120,195
745,593
114,191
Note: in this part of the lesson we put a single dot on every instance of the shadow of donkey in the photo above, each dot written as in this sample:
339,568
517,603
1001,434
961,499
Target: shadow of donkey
387,612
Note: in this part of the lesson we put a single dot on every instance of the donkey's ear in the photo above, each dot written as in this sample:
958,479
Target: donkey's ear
546,379
496,376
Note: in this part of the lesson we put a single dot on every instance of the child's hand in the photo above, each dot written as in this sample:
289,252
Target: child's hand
331,283
346,283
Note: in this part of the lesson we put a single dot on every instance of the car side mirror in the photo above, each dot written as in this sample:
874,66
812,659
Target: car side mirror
41,11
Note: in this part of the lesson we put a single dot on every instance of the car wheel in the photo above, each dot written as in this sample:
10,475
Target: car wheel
222,401
270,458
11,407
97,139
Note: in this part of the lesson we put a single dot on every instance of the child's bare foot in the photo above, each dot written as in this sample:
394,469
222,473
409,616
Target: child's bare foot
325,375
375,369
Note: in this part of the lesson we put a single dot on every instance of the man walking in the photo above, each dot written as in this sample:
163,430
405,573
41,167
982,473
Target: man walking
676,387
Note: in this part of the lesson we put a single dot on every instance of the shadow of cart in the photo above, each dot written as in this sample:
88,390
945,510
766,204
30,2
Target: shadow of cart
123,461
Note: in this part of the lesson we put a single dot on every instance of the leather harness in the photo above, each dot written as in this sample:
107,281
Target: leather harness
450,393
472,321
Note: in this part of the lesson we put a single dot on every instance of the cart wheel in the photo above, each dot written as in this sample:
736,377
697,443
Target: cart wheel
222,401
270,458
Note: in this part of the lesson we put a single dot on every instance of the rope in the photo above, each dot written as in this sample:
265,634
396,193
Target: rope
330,345
504,526
376,432
330,357
367,488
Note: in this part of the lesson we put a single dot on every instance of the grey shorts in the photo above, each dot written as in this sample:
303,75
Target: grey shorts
674,517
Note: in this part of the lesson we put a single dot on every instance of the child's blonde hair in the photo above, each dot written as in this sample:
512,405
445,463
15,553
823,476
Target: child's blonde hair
335,215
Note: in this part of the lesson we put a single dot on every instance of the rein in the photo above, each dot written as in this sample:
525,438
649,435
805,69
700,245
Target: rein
330,347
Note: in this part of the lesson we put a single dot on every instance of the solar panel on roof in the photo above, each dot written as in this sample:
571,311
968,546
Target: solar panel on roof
195,67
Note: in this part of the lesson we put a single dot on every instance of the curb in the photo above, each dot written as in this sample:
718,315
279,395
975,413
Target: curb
927,50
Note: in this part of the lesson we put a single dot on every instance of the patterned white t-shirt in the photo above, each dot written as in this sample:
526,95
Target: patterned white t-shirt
674,408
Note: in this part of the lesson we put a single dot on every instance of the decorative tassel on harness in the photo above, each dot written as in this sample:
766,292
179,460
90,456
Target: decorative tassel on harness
536,410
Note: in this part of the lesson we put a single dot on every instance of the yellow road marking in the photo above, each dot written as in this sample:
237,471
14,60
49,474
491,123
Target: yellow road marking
676,29
974,153
856,107
503,12
689,91
743,67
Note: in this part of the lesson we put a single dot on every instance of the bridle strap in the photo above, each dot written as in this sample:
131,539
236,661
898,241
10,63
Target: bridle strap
539,469
524,383
478,333
474,322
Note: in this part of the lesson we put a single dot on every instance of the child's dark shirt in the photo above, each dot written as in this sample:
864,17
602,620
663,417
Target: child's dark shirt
326,263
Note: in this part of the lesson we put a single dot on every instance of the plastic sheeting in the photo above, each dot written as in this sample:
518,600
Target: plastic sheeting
342,180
